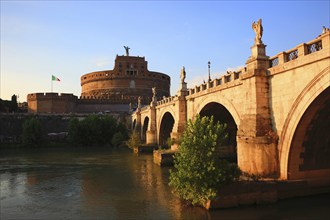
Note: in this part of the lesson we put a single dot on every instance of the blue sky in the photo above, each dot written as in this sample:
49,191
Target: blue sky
72,38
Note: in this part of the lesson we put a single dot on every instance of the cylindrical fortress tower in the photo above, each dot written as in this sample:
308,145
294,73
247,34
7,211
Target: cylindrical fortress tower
129,79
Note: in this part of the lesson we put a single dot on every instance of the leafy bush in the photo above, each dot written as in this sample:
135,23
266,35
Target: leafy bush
134,140
117,139
198,170
95,130
32,133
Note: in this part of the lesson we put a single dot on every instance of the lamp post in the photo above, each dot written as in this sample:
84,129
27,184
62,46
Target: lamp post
209,66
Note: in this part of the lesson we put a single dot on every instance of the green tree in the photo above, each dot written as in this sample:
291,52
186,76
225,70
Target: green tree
134,140
96,130
73,130
13,103
198,170
117,139
108,128
32,133
123,130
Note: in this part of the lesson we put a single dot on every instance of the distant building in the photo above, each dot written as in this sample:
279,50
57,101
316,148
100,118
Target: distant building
107,91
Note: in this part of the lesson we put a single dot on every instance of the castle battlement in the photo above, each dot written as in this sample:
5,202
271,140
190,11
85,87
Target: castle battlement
51,102
51,95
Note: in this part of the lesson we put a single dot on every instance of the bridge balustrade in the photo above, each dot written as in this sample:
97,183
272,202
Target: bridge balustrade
274,62
210,84
292,55
166,100
301,50
218,82
237,74
144,108
314,47
227,78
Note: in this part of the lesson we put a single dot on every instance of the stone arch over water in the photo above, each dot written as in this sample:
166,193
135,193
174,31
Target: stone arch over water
144,129
134,125
166,127
304,143
221,114
310,145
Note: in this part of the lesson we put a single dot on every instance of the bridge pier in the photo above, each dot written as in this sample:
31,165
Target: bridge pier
151,137
138,126
175,136
257,155
256,140
180,125
152,132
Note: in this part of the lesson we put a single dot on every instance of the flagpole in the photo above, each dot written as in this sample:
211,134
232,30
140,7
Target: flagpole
52,85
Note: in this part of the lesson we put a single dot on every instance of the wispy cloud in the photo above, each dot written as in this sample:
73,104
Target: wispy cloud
217,75
200,79
101,62
197,80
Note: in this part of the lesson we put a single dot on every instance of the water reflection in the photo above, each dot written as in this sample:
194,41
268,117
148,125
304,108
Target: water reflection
113,184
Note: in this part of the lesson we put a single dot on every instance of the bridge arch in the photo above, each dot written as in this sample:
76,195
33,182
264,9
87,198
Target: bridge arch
165,128
301,129
221,114
145,126
134,124
220,100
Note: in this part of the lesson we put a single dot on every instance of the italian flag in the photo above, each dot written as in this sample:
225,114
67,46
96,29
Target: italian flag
54,78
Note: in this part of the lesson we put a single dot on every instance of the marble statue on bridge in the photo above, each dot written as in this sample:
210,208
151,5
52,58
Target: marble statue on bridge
258,29
183,75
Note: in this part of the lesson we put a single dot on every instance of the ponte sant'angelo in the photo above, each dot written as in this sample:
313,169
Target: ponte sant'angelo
276,108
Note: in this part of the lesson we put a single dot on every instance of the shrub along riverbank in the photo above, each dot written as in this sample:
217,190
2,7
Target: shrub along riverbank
199,172
97,131
55,131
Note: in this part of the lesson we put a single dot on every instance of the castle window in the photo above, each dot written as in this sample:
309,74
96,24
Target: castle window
132,72
132,84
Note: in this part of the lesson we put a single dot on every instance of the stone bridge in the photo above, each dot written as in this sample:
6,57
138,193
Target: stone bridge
276,108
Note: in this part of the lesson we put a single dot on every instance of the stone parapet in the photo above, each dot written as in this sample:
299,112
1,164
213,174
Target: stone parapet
301,55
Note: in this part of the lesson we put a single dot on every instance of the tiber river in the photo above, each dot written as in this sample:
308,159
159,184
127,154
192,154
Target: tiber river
113,184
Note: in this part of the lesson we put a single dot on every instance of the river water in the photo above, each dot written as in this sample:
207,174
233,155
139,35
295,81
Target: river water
80,183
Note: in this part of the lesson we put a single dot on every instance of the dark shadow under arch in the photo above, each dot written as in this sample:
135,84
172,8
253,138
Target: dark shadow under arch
312,138
134,125
165,130
144,129
221,114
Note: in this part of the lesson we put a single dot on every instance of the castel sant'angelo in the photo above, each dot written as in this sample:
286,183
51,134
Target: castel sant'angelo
115,90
